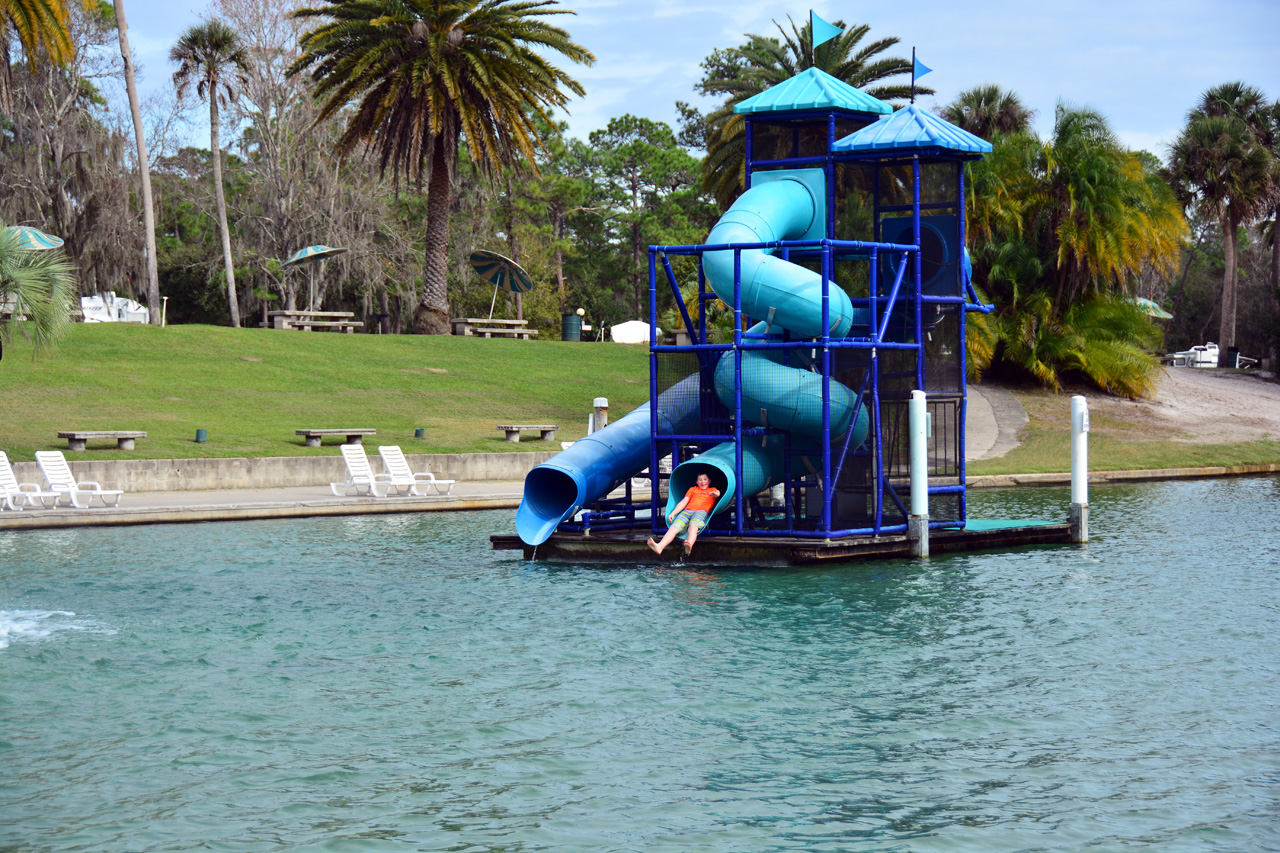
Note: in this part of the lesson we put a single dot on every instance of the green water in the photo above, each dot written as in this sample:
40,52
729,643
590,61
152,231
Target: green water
389,683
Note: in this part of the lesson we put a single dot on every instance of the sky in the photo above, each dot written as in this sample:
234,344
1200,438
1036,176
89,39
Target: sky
1141,63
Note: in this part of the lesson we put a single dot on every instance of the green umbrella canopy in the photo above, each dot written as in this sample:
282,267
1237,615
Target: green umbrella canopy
501,271
311,253
1146,306
34,239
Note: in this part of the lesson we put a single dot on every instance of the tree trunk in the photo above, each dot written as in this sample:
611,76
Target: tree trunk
1227,322
558,231
144,167
1275,291
222,205
431,317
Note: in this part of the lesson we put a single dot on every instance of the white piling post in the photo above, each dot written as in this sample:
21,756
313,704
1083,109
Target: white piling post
918,429
1079,469
599,415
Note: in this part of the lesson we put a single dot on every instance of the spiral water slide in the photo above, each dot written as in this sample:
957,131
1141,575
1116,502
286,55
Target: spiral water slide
773,395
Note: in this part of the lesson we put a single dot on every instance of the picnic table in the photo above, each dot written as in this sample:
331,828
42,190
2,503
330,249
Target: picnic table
339,321
481,327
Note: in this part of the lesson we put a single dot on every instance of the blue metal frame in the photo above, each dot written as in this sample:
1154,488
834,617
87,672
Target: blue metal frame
748,518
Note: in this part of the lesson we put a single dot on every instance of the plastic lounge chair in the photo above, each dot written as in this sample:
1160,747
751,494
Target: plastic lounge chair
14,494
360,474
60,480
403,477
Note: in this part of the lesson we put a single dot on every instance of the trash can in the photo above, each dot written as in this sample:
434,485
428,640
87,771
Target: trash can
1232,358
570,327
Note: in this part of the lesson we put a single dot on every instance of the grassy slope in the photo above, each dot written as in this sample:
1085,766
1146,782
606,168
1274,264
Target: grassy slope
251,388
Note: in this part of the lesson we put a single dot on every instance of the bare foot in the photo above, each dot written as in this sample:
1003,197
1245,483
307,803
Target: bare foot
688,548
653,546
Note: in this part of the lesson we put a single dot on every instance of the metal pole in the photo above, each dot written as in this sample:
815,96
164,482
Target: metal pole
1079,469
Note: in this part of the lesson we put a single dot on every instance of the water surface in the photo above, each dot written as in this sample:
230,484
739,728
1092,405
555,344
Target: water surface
389,683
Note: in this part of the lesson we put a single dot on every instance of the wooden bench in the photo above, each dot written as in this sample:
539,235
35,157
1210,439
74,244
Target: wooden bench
354,436
124,438
513,430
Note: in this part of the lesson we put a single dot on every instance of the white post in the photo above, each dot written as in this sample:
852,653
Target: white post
164,310
918,429
1079,469
599,418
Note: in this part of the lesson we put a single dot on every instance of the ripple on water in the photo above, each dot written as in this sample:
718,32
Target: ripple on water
390,683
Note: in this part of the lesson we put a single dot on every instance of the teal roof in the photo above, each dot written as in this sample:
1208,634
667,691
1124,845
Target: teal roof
812,90
912,127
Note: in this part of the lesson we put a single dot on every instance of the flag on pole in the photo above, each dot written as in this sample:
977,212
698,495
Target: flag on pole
820,30
918,69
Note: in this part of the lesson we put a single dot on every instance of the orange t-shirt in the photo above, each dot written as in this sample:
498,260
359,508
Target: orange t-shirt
701,499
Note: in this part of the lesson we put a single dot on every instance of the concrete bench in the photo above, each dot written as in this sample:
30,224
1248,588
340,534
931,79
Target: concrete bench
522,334
345,326
354,436
124,438
513,430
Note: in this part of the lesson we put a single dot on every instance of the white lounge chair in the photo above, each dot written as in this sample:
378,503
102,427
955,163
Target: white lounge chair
360,474
403,477
60,480
15,495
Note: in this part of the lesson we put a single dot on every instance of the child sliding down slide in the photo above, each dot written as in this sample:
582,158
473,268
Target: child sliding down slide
690,513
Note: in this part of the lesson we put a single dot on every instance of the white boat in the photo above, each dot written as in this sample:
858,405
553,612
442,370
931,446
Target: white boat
109,308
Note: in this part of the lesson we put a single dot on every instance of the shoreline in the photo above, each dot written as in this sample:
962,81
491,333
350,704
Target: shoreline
185,507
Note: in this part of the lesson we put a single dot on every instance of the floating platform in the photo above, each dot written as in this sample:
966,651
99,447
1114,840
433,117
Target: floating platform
628,546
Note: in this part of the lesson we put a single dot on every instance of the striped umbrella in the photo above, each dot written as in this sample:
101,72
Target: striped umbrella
34,239
311,254
501,272
1146,306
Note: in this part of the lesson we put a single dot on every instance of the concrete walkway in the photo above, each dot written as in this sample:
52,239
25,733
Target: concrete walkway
995,417
994,420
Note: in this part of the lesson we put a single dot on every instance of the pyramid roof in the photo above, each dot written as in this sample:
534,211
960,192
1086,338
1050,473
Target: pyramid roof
812,89
909,128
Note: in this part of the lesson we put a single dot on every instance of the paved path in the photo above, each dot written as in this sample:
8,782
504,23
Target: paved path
995,417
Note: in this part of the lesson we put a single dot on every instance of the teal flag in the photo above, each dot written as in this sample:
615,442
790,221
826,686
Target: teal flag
920,68
822,31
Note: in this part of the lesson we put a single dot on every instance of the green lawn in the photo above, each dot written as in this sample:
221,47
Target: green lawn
251,388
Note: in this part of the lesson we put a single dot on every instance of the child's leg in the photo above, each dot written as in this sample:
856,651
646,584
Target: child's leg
671,533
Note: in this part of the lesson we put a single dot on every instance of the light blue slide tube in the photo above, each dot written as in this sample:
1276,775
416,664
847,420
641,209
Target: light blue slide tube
762,467
768,212
594,466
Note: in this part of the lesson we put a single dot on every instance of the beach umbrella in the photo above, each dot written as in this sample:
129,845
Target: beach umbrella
311,255
1146,306
34,239
501,272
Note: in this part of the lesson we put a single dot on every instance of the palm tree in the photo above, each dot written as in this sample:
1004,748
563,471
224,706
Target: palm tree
988,110
210,55
144,167
1059,229
1221,164
764,62
38,24
38,285
422,74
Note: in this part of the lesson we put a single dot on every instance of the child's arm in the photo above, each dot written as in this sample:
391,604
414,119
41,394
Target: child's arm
680,506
